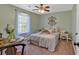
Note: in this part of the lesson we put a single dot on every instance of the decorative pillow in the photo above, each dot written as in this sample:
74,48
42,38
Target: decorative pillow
49,31
41,30
46,31
54,30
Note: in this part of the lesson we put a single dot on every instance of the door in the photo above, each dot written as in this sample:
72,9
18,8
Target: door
75,24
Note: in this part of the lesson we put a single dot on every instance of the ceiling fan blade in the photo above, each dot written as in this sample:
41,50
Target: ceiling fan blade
47,7
35,9
36,6
47,10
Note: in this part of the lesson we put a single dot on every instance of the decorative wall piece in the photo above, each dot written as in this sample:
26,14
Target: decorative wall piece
52,21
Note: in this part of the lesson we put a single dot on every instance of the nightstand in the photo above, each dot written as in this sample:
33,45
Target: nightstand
64,35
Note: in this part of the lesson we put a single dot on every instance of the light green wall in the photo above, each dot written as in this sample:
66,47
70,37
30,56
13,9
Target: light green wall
8,16
74,17
64,20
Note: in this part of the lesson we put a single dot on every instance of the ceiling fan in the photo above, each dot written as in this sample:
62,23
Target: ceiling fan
42,8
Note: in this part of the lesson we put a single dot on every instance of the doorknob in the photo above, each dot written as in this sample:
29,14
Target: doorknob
76,33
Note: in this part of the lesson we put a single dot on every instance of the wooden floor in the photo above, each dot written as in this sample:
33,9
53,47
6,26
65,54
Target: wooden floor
63,48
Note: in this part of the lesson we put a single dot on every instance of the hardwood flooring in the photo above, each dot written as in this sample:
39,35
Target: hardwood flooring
63,48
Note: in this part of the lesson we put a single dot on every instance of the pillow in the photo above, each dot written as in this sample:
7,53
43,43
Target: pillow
45,31
49,31
55,30
42,29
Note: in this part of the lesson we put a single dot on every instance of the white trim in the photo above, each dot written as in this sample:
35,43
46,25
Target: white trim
73,47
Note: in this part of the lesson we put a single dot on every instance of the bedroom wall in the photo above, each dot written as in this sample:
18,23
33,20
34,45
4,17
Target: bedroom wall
64,20
8,16
74,17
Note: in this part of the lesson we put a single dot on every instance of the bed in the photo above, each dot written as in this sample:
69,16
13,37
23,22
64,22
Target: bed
47,40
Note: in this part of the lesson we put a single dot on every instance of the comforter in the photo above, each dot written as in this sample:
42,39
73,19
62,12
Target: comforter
46,40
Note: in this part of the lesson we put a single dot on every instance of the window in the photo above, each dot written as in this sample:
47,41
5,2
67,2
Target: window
23,23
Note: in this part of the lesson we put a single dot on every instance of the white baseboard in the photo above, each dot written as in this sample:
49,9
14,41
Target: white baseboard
74,47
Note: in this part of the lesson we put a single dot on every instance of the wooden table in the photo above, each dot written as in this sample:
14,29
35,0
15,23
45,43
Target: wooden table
4,43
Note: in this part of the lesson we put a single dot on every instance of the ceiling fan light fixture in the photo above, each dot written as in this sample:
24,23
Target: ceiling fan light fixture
41,11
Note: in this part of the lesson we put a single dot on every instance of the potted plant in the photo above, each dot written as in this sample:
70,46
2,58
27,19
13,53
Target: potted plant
10,32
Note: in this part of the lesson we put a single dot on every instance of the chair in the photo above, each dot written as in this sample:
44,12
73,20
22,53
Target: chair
0,35
11,50
64,35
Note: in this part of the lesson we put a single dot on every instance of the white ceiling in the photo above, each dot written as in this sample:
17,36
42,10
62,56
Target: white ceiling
53,7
